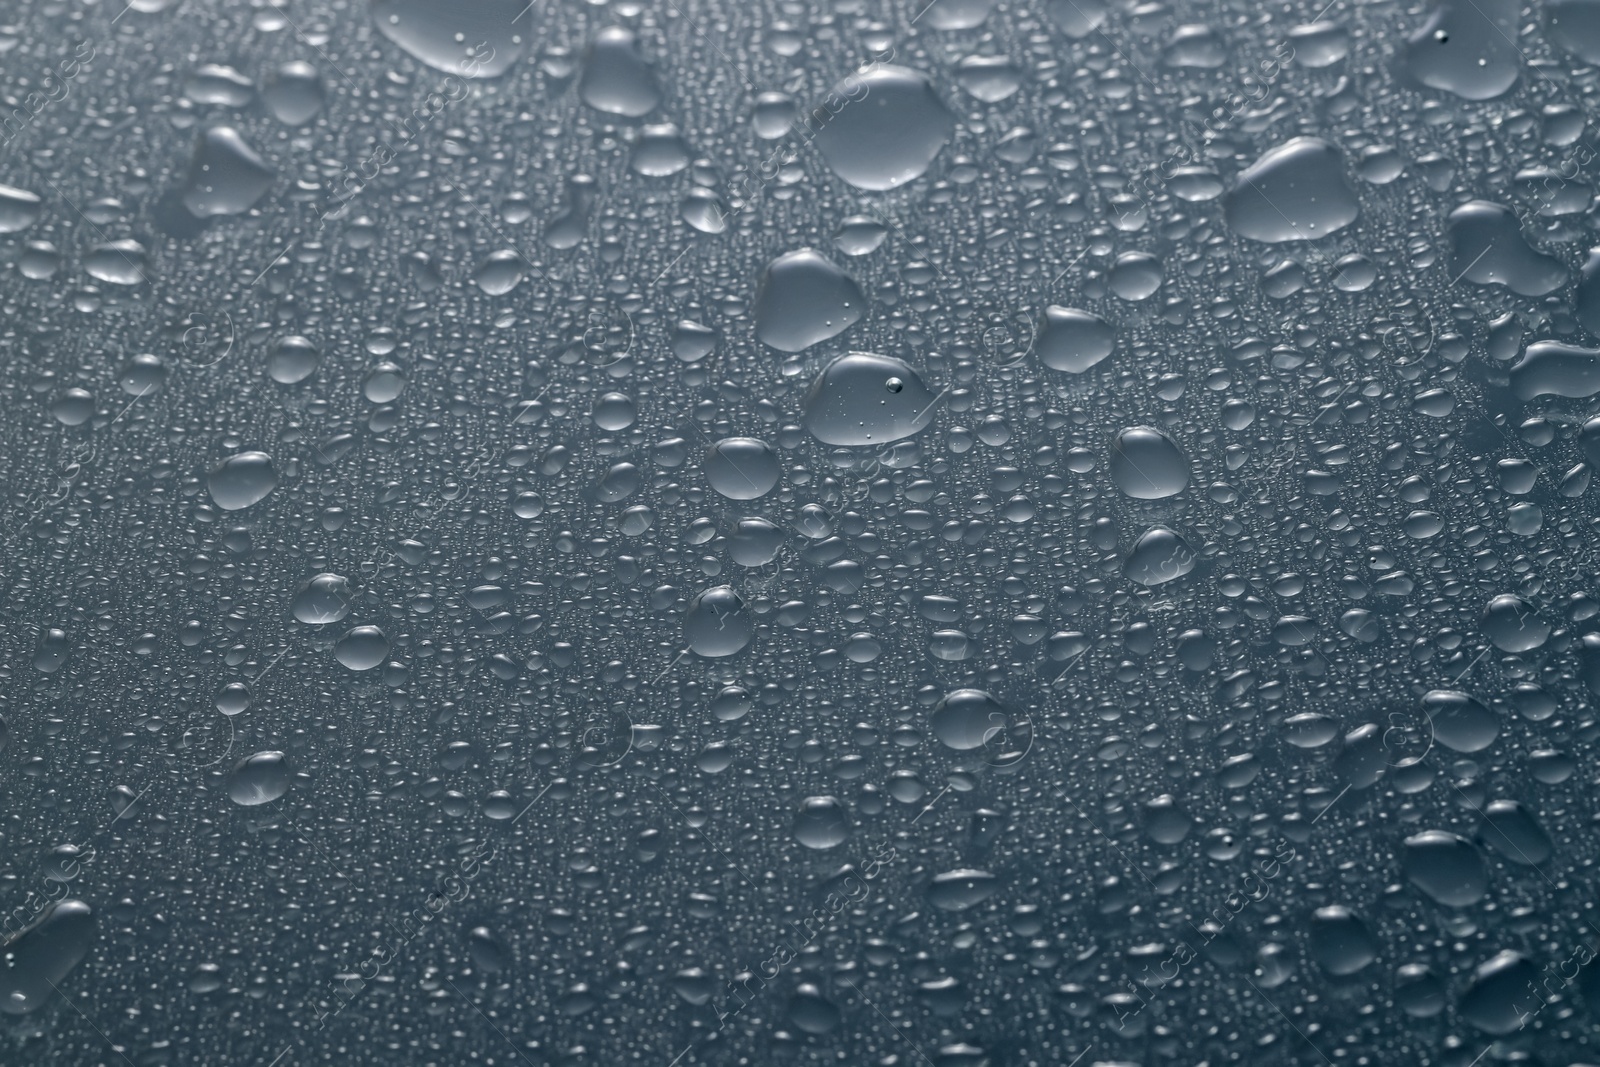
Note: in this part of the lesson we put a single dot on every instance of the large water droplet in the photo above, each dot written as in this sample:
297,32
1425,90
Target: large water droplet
803,299
1511,623
1448,868
1487,248
35,962
958,14
499,273
323,599
1512,831
821,823
742,468
1550,368
1319,44
54,648
19,209
362,648
259,779
1467,47
1340,942
1502,991
242,480
882,127
860,235
215,83
1459,721
1295,192
142,374
965,719
616,79
865,399
717,623
1575,26
119,262
1196,46
293,359
469,38
1146,464
961,889
1159,555
811,1012
226,176
1073,340
773,114
570,224
294,93
1077,18
990,79
660,152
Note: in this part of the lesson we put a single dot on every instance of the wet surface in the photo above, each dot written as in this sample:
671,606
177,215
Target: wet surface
958,533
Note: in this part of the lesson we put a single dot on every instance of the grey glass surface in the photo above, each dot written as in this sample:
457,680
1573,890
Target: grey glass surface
973,533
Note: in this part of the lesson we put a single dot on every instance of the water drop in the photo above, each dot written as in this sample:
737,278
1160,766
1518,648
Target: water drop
966,719
1147,465
117,262
499,273
294,93
1446,867
1511,623
226,176
804,299
865,399
1340,942
821,823
259,779
717,623
39,958
19,209
293,359
961,889
1160,555
1501,993
467,38
1072,340
1487,248
742,468
1295,192
1467,47
616,79
888,127
242,480
1460,722
362,648
324,598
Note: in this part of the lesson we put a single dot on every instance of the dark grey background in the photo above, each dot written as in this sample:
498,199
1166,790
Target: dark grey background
1246,477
